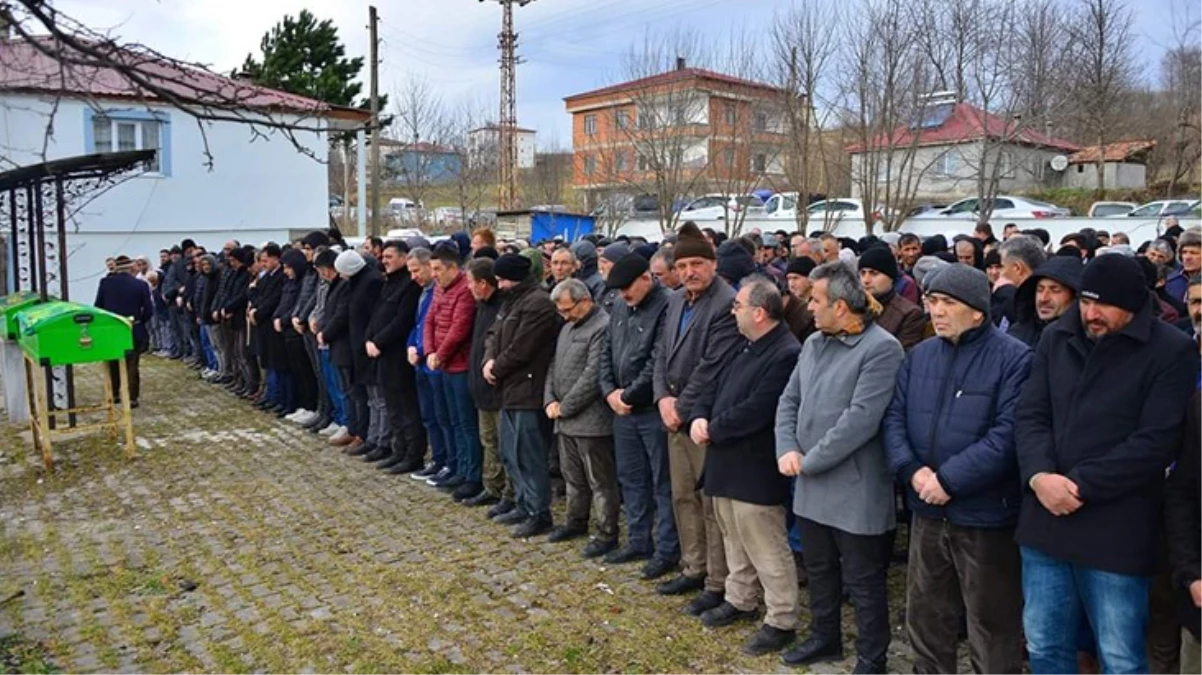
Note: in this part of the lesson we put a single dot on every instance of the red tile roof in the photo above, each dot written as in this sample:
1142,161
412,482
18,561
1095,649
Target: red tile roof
965,123
673,76
1111,152
25,68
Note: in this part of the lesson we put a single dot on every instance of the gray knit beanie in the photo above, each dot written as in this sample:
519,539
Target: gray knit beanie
966,284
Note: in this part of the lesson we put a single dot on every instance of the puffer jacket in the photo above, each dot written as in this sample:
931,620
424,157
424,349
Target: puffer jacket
573,378
448,327
953,411
627,353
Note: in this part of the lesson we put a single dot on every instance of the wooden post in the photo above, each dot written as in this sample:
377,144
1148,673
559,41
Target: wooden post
126,418
40,418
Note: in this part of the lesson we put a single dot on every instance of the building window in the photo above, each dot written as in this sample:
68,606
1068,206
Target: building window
728,157
947,165
730,113
759,162
590,125
125,131
622,119
761,121
640,162
620,162
590,165
1006,165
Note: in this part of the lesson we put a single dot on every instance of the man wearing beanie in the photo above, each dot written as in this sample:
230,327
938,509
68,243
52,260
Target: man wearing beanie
363,284
640,445
517,355
699,336
900,317
609,257
1099,420
586,271
797,314
1044,297
954,453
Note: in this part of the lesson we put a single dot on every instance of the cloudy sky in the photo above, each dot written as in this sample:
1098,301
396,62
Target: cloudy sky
569,46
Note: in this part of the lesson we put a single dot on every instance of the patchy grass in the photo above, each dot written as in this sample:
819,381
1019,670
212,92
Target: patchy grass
18,655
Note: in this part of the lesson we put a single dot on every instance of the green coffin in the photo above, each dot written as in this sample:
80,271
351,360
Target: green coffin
64,333
10,305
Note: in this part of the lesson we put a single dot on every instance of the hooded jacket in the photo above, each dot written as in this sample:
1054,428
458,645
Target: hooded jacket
586,256
1027,326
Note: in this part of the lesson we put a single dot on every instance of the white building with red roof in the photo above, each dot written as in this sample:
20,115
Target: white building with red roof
233,160
945,152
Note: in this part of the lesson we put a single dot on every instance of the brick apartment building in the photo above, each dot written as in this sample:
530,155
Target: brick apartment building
712,132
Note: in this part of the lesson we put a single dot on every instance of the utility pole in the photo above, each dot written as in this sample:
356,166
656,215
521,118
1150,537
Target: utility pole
374,200
508,120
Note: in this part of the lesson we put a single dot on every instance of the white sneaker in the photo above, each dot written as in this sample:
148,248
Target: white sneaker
338,436
330,430
307,418
296,414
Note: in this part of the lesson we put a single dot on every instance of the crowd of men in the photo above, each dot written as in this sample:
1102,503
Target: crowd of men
755,406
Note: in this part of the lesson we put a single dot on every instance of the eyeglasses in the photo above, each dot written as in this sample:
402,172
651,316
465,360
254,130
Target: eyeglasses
565,312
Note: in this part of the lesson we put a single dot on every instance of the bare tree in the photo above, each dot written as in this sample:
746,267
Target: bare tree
1181,73
477,169
422,126
552,171
1104,70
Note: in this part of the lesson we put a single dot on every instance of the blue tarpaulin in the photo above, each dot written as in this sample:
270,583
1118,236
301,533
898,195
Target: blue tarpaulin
550,224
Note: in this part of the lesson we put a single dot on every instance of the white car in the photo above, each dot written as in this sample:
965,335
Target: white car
1005,207
830,211
1108,209
1159,208
718,207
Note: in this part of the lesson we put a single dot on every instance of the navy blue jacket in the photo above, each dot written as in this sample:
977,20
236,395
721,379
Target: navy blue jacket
1108,415
953,411
128,296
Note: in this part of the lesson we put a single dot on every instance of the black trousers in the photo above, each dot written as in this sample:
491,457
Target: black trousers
834,559
302,370
404,418
133,359
357,412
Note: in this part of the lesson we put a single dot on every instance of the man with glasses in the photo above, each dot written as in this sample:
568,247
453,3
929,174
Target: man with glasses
583,421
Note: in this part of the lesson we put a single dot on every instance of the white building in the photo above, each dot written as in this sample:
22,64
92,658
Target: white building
1124,165
262,183
484,146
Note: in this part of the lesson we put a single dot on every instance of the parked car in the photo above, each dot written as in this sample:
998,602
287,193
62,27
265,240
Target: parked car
448,215
838,210
1193,210
720,207
1108,209
924,210
1005,207
1160,208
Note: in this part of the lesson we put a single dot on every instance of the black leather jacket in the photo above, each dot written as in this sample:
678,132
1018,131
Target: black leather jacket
627,359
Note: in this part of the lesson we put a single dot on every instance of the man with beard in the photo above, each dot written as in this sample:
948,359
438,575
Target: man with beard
390,325
1044,296
900,317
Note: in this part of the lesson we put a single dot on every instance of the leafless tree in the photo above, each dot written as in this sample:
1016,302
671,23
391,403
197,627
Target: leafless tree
1104,70
551,173
1181,80
476,176
418,154
41,34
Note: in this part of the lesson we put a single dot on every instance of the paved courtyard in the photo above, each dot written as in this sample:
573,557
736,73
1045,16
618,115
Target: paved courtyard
237,543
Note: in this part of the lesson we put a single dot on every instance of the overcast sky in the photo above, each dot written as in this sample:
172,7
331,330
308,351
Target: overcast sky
569,46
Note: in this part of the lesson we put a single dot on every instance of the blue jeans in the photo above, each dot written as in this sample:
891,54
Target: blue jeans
442,413
426,404
525,455
641,454
330,374
206,347
272,392
286,382
465,425
1057,594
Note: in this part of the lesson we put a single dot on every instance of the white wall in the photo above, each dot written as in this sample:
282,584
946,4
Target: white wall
484,146
1116,175
1028,170
257,189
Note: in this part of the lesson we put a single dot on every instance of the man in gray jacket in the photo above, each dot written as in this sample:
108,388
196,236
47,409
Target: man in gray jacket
699,337
583,421
828,436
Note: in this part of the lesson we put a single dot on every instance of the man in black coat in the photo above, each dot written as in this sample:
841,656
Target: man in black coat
498,488
232,312
1183,525
741,473
1044,297
270,345
387,333
334,335
640,444
364,282
124,294
1099,421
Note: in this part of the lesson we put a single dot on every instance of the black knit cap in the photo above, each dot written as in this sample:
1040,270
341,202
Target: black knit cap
512,267
1115,280
316,238
625,271
486,252
325,259
881,259
803,266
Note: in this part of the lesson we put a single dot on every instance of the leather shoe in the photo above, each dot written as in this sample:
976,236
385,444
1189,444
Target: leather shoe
501,508
355,444
451,483
681,584
512,517
406,467
485,498
812,650
705,601
389,462
566,533
596,548
656,568
361,449
766,640
726,614
377,454
532,528
467,490
626,554
870,668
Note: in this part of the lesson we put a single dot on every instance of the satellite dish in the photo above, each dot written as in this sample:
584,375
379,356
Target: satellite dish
1058,163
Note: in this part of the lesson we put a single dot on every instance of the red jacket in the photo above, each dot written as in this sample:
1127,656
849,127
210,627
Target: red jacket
448,329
